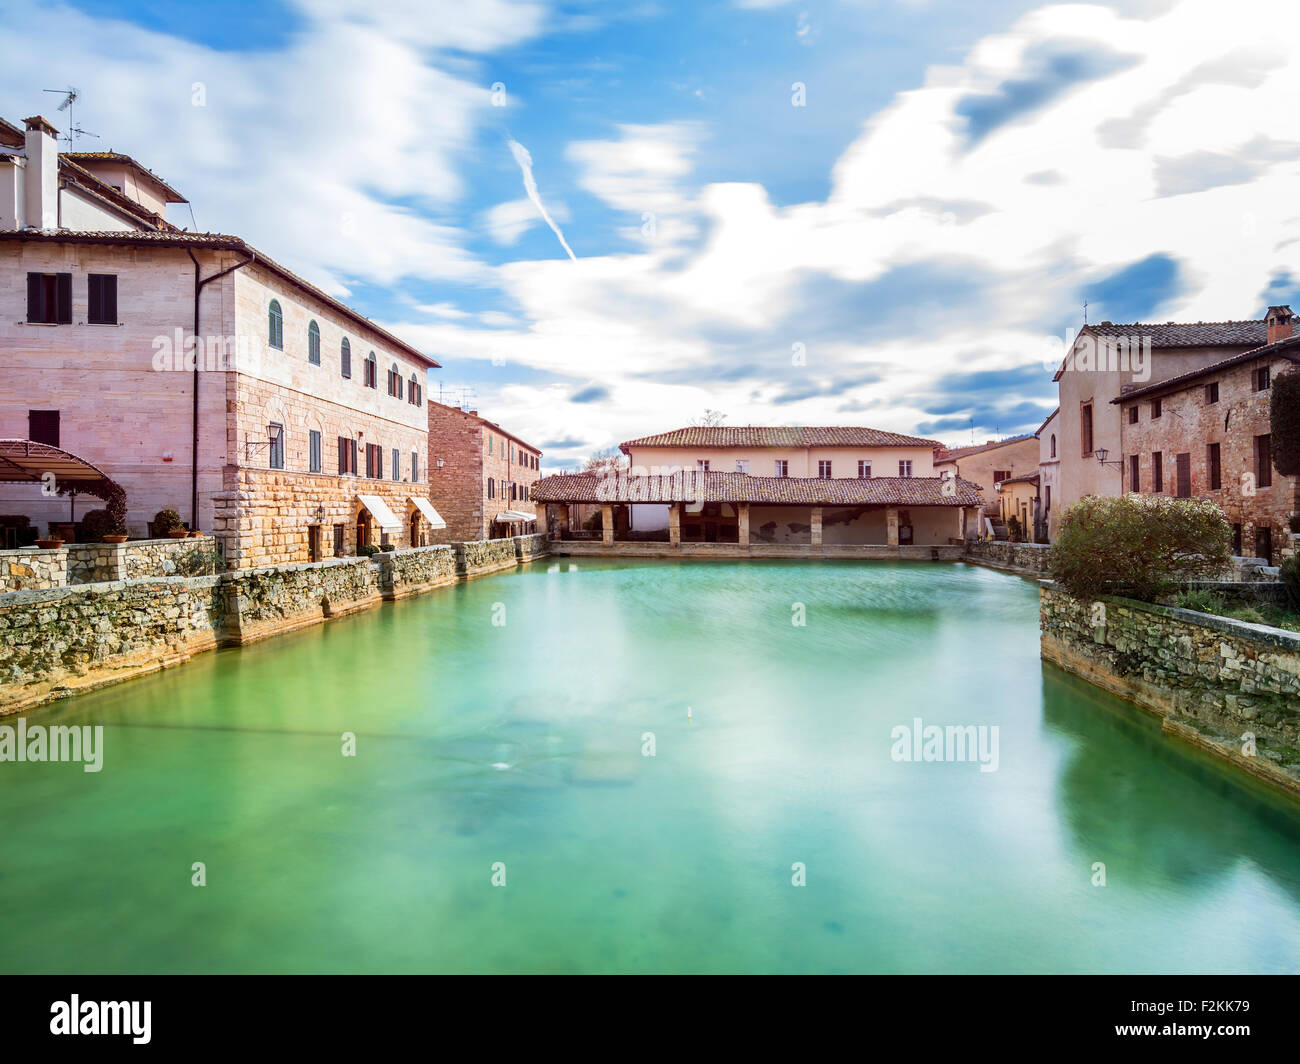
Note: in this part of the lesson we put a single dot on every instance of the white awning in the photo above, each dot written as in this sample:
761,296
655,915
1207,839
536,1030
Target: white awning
379,510
507,517
430,514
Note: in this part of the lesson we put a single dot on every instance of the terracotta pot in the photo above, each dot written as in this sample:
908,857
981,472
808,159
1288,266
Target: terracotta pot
49,544
196,534
178,533
115,538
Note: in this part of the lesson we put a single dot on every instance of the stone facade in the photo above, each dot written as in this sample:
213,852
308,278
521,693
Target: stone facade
1213,679
1184,422
476,470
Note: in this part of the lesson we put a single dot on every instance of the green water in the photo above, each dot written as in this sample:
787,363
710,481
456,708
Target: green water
522,743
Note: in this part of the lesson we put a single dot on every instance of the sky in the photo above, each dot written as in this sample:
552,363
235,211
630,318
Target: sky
604,218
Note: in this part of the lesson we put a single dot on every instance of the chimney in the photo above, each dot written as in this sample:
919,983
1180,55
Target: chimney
1279,323
41,193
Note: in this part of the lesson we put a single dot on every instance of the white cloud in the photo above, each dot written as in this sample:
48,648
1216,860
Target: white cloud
525,161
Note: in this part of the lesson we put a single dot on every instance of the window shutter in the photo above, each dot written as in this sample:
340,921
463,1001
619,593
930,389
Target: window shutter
110,299
343,456
94,300
35,311
63,297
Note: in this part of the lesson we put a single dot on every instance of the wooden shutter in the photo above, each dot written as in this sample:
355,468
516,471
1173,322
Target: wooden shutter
63,298
43,426
1184,468
35,301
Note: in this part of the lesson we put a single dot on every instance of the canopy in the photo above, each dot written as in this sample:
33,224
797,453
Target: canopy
380,512
430,514
27,462
507,517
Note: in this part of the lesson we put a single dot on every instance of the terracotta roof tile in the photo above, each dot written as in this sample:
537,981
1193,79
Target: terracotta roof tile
1288,349
1189,333
778,436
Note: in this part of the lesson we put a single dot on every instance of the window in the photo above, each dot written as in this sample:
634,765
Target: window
1236,541
372,371
1053,444
275,433
1133,415
905,467
1264,543
1000,475
415,466
864,469
345,358
101,293
338,541
492,489
742,465
43,426
824,470
1212,392
782,467
275,326
1156,409
702,465
395,381
1157,471
49,299
397,464
513,493
347,456
1214,466
1263,462
1085,429
415,392
1133,484
1183,474
313,451
374,461
489,443
1259,379
313,344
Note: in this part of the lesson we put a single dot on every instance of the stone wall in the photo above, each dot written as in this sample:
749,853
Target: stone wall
410,572
166,557
265,602
530,547
31,568
1211,678
1024,557
94,563
485,556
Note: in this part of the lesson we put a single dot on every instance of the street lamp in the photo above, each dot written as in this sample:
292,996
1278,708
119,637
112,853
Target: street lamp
1101,453
273,433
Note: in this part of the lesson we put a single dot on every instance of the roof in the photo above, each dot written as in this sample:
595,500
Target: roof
966,452
11,135
27,462
1288,349
740,487
209,242
1046,420
88,183
777,436
1028,478
1252,331
117,157
473,416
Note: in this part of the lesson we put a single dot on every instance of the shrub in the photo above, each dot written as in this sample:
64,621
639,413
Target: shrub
1290,576
165,521
1246,613
369,550
97,524
1138,545
387,548
1201,600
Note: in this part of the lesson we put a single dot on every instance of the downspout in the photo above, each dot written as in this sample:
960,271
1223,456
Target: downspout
194,442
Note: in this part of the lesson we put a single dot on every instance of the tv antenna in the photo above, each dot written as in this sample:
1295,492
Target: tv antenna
70,95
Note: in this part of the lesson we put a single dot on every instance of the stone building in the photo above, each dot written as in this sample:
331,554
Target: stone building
991,464
1049,475
481,474
197,372
1101,362
1206,433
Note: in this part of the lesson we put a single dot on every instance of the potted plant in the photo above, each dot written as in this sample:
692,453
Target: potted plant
167,523
49,544
100,526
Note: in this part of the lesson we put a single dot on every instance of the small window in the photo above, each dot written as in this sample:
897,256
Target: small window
1133,483
1053,444
782,467
374,461
1212,392
345,358
1263,461
1183,475
372,371
1157,471
339,546
49,299
905,468
864,469
415,466
512,453
489,443
313,451
43,426
823,470
1156,409
1133,415
1260,378
101,292
702,465
313,344
1085,429
275,433
275,326
491,489
1000,475
347,456
397,464
1214,466
415,392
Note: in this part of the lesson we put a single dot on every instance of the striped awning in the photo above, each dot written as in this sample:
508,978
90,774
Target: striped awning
507,517
384,517
430,514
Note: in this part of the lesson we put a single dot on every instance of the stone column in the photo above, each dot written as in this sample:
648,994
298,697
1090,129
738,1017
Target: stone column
891,526
675,523
816,526
607,523
742,533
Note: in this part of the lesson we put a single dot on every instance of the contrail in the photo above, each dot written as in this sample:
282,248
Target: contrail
525,162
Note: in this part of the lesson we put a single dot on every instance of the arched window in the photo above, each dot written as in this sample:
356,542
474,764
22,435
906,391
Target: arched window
345,358
275,326
313,344
1053,444
372,371
395,381
416,398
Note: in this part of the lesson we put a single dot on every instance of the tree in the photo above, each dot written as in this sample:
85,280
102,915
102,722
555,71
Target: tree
606,463
710,419
1139,545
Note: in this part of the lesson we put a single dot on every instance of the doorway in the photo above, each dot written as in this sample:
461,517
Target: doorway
313,543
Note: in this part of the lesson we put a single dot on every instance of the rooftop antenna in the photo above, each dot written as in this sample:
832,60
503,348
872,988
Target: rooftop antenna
1085,312
70,95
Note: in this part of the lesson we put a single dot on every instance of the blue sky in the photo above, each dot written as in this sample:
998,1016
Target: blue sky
908,247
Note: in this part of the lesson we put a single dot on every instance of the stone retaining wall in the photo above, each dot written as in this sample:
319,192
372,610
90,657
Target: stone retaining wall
1019,557
265,602
1213,679
485,556
143,558
409,572
32,569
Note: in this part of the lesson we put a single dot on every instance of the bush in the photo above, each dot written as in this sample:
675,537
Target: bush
1290,576
369,550
165,521
97,524
1246,613
1139,545
1201,600
387,548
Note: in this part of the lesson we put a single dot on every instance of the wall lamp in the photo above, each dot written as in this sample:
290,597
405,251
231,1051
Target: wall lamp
1101,453
273,433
